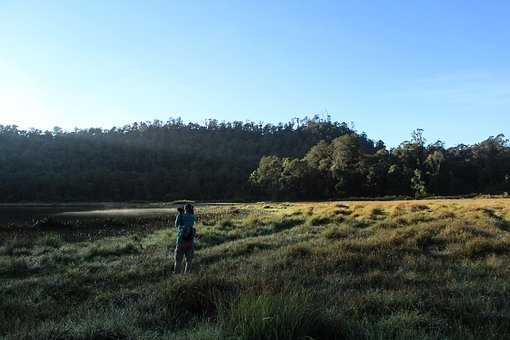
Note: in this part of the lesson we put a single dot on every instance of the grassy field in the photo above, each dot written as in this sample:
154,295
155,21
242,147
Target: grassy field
437,269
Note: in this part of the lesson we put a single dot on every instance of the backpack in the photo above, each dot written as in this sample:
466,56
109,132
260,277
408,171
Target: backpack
187,233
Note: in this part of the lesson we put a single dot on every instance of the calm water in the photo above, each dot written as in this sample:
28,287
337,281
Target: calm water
30,214
20,214
27,215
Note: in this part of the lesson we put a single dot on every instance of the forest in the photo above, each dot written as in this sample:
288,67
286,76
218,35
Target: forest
310,158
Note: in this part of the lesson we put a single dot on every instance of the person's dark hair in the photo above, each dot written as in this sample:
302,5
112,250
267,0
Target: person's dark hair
189,209
180,210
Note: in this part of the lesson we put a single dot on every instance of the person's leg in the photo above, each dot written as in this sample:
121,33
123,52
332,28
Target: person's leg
178,259
189,259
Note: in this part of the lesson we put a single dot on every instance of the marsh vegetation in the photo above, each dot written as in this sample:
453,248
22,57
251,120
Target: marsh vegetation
431,269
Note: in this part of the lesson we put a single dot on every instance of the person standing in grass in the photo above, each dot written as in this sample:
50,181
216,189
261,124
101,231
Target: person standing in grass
186,232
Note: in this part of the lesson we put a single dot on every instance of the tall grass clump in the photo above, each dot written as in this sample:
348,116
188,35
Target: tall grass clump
377,213
279,317
319,220
86,322
50,240
336,232
226,224
113,249
13,266
285,223
179,302
16,246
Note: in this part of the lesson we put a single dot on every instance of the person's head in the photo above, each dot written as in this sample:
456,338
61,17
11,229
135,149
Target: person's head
180,210
189,209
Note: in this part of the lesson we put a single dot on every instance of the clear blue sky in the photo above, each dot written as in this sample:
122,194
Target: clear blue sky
388,66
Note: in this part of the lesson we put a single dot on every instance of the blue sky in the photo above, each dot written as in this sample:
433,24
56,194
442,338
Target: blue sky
387,66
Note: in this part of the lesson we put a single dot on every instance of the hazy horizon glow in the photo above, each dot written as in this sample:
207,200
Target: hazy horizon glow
387,66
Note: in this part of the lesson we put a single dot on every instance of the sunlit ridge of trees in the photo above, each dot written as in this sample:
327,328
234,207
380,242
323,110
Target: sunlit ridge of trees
354,166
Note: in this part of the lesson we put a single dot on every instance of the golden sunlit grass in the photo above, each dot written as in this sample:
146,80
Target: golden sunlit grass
428,269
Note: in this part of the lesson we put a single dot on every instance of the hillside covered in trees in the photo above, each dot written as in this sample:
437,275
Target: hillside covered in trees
303,159
354,166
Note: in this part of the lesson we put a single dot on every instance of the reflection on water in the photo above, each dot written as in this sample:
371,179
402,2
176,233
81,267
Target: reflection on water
90,222
120,212
26,214
81,223
29,214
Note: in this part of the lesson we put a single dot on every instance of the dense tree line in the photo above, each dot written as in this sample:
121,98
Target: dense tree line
354,166
149,160
303,159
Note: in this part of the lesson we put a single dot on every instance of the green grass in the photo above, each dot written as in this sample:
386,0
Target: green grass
276,317
437,269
